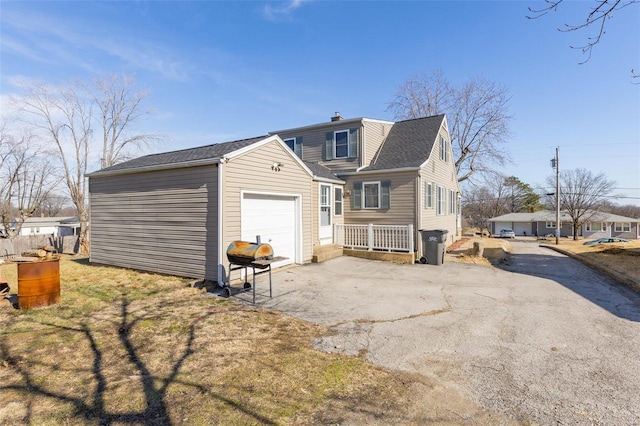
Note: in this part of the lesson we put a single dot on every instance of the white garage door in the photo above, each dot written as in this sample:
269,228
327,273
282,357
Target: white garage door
522,228
502,225
274,218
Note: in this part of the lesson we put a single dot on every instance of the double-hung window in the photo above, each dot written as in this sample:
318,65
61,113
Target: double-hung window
341,144
551,224
341,148
428,196
595,226
295,144
622,227
444,149
441,196
371,195
337,201
452,202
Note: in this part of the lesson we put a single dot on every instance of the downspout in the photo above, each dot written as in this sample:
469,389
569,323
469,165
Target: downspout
362,147
221,274
417,241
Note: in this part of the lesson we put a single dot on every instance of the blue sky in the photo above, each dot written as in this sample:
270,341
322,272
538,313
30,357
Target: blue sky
219,71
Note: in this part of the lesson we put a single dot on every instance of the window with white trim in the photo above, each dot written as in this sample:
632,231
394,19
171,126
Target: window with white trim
295,144
337,193
595,226
622,227
428,196
371,195
441,196
551,224
444,149
452,202
341,144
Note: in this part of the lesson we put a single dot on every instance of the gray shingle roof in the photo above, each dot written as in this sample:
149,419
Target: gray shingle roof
214,151
321,171
408,144
548,215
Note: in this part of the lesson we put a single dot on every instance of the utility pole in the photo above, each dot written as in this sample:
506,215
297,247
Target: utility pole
555,163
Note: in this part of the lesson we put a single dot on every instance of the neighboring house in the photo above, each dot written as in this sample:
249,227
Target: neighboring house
543,223
56,226
177,212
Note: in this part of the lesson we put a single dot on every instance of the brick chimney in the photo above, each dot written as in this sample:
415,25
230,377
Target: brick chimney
337,117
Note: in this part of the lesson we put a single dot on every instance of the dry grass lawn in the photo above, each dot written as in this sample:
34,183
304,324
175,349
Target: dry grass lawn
126,347
495,249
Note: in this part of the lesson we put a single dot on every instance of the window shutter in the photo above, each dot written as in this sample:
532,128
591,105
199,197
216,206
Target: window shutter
357,195
328,148
353,142
298,147
385,194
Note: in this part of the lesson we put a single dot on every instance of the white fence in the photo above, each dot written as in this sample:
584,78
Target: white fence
375,237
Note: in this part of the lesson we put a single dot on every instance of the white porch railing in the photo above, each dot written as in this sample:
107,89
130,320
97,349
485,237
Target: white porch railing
374,237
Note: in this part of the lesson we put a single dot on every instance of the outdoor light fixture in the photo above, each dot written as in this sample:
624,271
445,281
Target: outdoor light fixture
276,166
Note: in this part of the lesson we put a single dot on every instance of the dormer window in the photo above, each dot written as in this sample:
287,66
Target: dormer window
295,144
341,144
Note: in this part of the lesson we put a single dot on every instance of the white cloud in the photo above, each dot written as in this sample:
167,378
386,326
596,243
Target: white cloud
48,39
282,12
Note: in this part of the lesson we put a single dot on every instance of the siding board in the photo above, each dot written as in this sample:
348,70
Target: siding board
159,221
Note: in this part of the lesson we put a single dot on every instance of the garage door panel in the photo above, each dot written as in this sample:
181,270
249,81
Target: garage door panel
273,218
502,225
522,228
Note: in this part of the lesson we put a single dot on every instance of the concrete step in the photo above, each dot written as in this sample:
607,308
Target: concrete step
326,252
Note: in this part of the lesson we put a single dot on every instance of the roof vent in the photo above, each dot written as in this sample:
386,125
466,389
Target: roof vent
337,117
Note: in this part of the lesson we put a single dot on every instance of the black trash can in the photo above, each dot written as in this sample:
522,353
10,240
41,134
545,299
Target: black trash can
433,246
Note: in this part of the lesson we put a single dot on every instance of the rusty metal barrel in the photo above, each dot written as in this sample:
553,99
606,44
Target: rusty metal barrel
38,283
244,252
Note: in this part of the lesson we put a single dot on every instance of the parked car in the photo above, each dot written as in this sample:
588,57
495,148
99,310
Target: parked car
507,233
605,241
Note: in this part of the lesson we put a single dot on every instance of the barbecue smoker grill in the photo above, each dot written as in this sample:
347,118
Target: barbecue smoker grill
243,255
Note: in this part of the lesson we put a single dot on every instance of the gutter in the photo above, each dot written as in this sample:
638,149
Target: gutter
327,180
169,166
358,172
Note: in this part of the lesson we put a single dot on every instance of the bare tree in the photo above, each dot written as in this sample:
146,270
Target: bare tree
628,210
26,180
581,195
65,115
601,11
120,106
477,114
54,205
482,202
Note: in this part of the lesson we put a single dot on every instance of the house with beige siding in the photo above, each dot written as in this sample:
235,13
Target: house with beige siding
177,212
394,173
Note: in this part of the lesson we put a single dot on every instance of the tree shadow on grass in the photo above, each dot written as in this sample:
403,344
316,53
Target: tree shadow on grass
92,409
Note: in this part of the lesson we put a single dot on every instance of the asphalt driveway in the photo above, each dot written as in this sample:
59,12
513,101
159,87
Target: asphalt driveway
544,340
